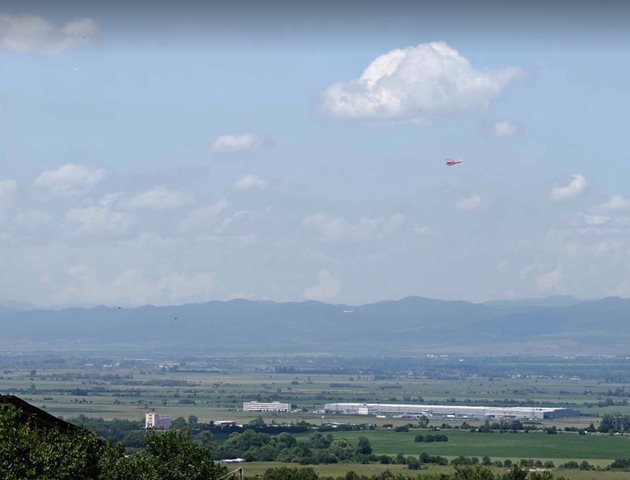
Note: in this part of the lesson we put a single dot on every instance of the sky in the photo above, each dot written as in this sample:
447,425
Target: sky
184,152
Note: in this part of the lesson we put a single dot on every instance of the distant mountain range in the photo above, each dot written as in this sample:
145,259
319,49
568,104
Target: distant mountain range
407,326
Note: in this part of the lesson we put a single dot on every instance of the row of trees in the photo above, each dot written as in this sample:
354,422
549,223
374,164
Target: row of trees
319,448
612,423
459,473
431,438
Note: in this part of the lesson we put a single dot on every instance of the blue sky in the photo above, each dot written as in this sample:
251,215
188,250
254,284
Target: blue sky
198,152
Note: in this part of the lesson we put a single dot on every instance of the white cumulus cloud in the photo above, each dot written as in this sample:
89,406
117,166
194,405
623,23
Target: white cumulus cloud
472,203
422,83
326,288
572,190
69,179
233,142
504,128
616,202
249,182
34,34
159,198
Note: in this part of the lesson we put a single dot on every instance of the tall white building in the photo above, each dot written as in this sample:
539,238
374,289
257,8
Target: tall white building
156,421
266,407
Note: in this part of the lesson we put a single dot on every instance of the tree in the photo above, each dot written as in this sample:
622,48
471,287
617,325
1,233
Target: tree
179,424
286,473
516,473
259,421
174,457
352,475
317,440
363,446
413,463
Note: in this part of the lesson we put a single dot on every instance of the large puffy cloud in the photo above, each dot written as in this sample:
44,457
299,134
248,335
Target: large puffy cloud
69,179
159,198
336,228
572,190
233,142
33,34
326,288
421,83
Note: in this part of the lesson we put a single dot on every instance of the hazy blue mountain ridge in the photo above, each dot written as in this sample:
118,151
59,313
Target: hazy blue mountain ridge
409,324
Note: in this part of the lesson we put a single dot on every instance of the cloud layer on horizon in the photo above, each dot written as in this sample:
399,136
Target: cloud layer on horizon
35,34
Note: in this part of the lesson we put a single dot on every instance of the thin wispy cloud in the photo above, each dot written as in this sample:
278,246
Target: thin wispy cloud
471,204
251,182
616,202
551,281
595,219
326,288
70,179
332,228
504,128
235,142
159,198
98,219
203,217
8,189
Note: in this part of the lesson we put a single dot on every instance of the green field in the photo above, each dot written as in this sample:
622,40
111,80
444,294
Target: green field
515,446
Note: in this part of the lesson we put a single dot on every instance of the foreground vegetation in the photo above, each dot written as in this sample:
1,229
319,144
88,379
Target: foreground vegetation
31,452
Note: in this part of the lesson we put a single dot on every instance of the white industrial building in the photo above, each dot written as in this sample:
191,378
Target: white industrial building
266,407
157,421
462,412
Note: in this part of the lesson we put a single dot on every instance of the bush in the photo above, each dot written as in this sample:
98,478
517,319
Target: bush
584,465
620,464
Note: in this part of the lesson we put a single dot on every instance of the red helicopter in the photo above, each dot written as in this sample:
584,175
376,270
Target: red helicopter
450,162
